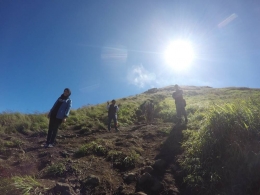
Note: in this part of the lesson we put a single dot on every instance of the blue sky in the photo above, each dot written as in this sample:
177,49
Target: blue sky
104,50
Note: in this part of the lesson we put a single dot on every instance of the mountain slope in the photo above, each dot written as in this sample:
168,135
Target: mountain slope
142,157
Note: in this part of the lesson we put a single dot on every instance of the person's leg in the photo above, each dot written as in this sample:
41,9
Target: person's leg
178,113
50,130
115,122
184,114
109,123
56,125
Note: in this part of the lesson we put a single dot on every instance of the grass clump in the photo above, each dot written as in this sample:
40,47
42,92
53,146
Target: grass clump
122,160
91,148
13,143
223,157
56,170
25,184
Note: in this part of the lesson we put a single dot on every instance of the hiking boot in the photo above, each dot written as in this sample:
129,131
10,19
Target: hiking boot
50,146
45,145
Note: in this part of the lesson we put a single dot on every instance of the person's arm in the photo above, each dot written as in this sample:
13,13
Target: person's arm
68,108
49,115
108,105
67,111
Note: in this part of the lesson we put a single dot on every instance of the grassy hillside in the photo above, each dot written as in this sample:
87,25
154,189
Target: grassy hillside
220,148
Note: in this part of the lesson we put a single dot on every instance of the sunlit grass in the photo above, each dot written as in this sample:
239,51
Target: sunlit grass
220,146
225,149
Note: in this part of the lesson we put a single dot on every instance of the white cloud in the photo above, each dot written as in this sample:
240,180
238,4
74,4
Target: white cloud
140,77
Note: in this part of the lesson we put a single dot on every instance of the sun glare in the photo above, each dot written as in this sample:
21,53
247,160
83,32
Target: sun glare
179,55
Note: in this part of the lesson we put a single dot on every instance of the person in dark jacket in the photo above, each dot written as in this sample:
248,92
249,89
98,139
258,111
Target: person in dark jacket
180,104
112,114
147,109
58,114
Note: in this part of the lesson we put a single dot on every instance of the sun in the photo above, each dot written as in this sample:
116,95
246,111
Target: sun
179,55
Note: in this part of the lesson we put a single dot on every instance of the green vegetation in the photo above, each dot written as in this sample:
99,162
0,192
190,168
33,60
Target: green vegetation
91,148
56,169
225,152
221,148
25,184
123,160
17,122
101,148
7,186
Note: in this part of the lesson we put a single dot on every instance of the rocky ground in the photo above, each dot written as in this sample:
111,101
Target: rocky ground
155,171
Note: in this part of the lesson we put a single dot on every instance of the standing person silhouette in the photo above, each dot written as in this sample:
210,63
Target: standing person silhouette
180,104
58,114
112,114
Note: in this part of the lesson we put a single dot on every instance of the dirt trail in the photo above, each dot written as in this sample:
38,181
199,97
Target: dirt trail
151,142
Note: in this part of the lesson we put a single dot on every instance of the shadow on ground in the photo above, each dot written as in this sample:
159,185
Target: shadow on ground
169,152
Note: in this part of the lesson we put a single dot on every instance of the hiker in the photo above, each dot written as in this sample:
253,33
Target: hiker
180,104
112,114
58,114
149,111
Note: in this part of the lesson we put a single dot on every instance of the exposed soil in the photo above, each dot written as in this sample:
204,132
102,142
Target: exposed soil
156,171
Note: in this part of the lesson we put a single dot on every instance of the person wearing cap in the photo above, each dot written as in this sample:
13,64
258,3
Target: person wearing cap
112,114
58,114
180,104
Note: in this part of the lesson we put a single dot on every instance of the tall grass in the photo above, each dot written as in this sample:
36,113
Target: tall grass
221,153
223,157
17,122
